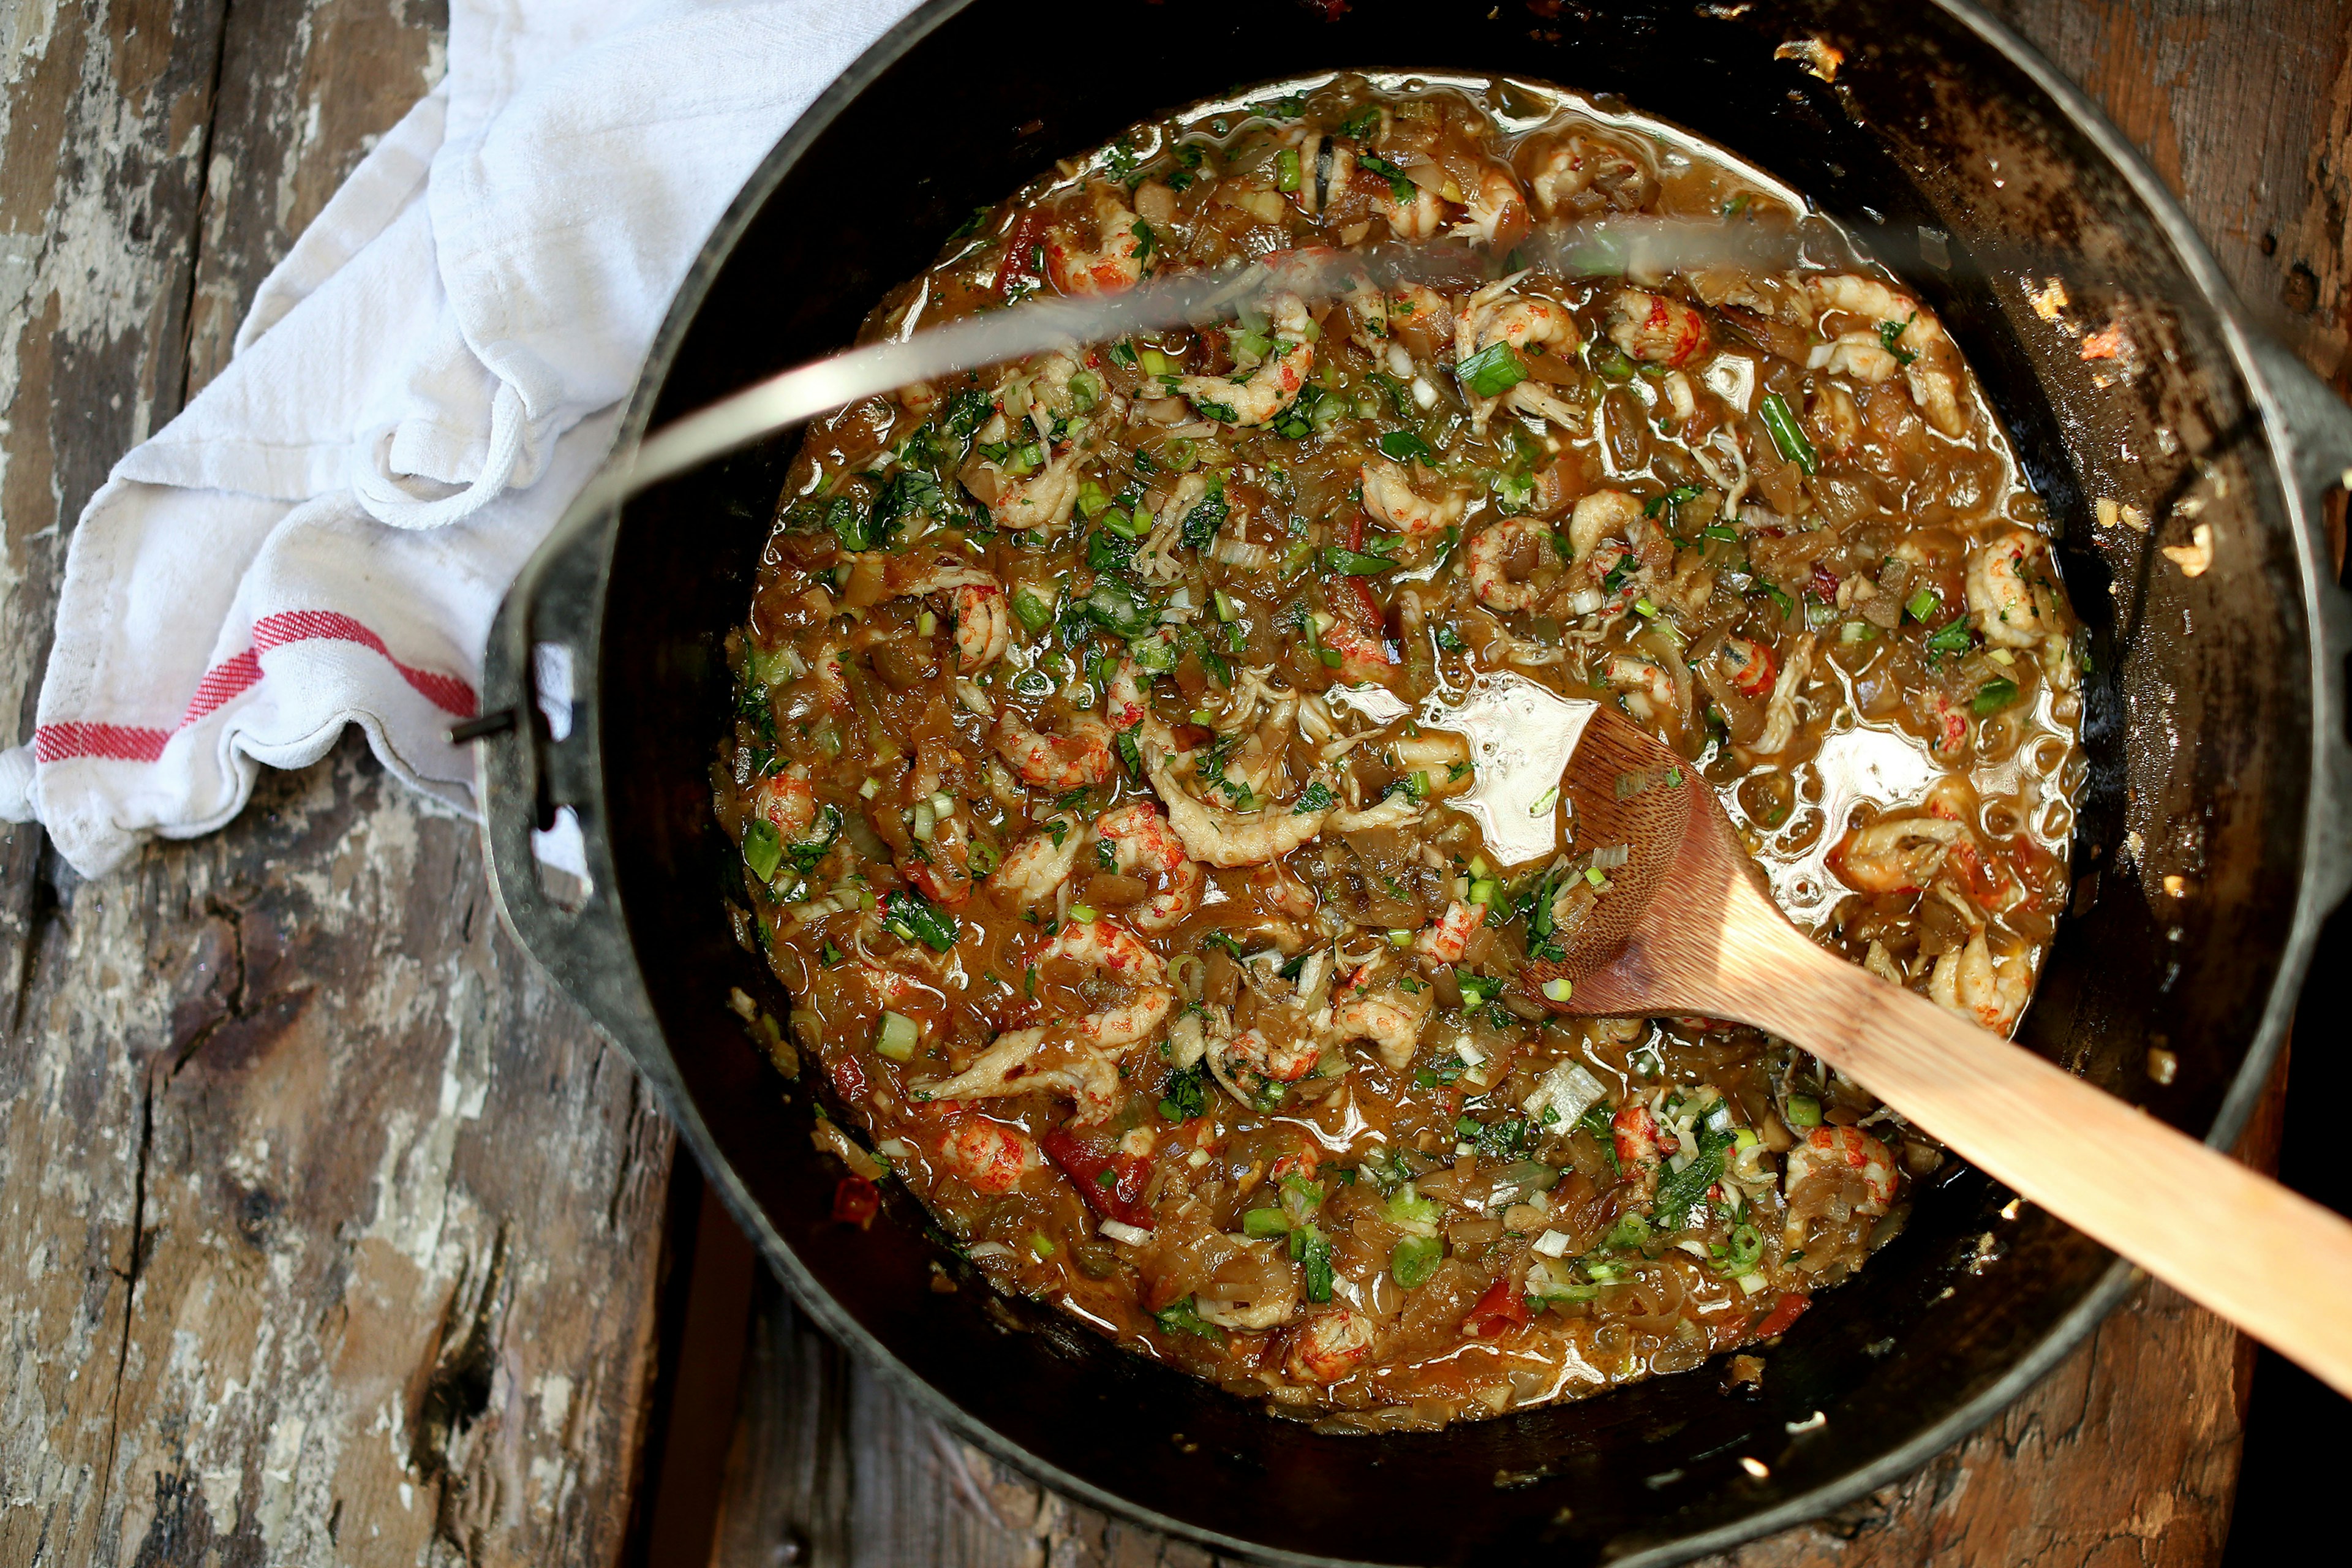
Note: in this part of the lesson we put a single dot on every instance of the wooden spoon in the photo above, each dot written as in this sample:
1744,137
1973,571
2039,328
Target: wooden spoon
1687,927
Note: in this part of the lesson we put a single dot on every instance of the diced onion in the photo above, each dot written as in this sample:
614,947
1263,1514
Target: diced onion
1551,1244
1568,1089
1132,1235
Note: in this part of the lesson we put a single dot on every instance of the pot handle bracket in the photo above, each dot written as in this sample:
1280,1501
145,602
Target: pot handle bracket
535,770
2313,428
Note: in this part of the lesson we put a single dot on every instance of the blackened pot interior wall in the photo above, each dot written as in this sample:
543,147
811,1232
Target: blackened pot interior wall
969,114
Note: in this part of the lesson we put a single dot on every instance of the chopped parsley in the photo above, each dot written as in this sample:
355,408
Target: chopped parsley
1201,524
1890,333
1682,1194
1185,1094
1405,446
915,918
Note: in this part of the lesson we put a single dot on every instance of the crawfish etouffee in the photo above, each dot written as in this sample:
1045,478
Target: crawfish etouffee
1119,763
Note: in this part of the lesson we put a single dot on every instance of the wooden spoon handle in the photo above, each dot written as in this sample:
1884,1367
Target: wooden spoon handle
2274,1264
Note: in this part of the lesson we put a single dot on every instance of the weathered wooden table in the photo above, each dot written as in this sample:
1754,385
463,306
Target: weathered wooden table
329,1234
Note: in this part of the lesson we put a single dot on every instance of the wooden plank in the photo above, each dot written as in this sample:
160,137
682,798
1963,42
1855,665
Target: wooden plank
306,88
2128,1453
104,110
2246,113
332,1232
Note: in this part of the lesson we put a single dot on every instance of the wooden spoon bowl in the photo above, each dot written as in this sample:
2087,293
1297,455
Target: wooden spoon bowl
1687,927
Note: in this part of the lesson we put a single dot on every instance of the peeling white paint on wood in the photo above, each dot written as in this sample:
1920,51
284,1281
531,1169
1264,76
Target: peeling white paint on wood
298,1219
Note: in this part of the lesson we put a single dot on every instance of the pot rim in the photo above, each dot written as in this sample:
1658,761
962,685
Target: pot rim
2188,250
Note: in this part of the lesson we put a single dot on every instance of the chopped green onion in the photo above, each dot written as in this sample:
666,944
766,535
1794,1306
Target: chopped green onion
1922,604
1153,653
1853,632
1179,1318
1313,1250
1415,1259
1720,530
1041,1244
1629,1231
1084,914
1595,876
1355,563
1993,696
1672,497
1227,609
1154,362
1952,637
1642,607
1035,611
1259,1224
1804,1110
764,848
1558,989
1482,890
1494,371
1285,164
1407,1206
1787,434
1741,1250
896,1037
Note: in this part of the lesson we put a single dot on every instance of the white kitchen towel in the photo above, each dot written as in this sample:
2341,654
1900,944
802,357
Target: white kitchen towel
423,385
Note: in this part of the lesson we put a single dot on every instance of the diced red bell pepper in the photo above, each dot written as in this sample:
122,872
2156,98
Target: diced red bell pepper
1352,532
1087,1161
1357,603
856,1202
1499,1311
848,1077
1785,1312
1020,261
1824,584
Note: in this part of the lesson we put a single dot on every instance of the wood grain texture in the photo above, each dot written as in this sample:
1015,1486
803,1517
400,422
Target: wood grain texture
2125,1457
330,1233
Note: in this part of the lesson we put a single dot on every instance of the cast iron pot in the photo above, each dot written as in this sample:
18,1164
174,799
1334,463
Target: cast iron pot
2215,723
